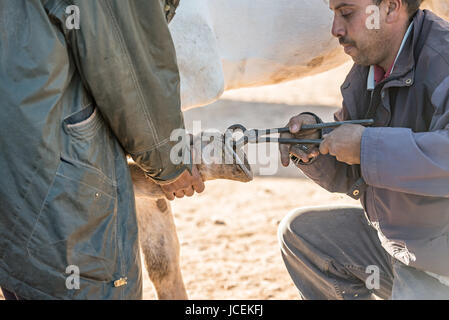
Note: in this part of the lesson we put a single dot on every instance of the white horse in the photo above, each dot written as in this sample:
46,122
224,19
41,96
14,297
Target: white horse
230,44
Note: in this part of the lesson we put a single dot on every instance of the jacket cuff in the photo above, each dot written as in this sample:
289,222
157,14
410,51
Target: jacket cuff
163,169
298,162
369,155
314,167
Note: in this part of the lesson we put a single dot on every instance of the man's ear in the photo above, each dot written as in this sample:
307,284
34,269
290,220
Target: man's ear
393,8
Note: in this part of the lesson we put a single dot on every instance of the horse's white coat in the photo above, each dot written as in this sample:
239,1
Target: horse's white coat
440,7
230,44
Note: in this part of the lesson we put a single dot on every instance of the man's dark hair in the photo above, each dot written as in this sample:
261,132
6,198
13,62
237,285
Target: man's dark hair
412,5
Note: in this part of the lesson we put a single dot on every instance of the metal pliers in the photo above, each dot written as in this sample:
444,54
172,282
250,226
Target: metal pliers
259,136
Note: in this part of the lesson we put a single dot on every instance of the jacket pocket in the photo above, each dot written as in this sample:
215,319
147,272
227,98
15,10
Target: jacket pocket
89,142
77,223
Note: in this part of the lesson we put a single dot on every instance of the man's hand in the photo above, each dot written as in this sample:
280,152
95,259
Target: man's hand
185,185
295,125
344,143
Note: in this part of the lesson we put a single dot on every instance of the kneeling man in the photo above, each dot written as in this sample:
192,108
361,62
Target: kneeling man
397,245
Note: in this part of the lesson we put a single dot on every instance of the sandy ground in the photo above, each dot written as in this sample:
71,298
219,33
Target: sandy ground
229,240
228,234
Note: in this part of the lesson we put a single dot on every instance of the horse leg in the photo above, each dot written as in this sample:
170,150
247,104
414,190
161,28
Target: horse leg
160,247
157,231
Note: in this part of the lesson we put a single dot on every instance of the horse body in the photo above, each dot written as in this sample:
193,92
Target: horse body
229,44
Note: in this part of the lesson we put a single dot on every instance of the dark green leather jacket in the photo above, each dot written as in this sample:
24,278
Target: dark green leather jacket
74,103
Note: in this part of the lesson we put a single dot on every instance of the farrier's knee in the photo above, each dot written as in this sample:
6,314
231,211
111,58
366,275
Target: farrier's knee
297,218
293,225
307,223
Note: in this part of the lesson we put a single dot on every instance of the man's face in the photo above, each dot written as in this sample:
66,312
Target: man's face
365,46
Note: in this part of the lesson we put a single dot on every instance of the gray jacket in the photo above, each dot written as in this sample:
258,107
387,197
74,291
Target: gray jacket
405,156
74,103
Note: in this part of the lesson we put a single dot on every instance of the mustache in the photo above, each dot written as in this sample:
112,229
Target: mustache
345,41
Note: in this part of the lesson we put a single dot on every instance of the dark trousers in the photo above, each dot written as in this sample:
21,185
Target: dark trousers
334,253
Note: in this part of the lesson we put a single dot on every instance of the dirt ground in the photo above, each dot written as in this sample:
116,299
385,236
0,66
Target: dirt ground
228,234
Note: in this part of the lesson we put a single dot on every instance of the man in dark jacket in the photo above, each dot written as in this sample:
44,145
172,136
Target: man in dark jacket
77,95
399,168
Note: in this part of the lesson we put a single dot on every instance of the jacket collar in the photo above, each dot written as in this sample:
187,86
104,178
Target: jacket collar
371,82
404,70
402,75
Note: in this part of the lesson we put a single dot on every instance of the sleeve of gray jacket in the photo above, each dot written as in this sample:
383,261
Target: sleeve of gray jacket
128,63
329,173
401,160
